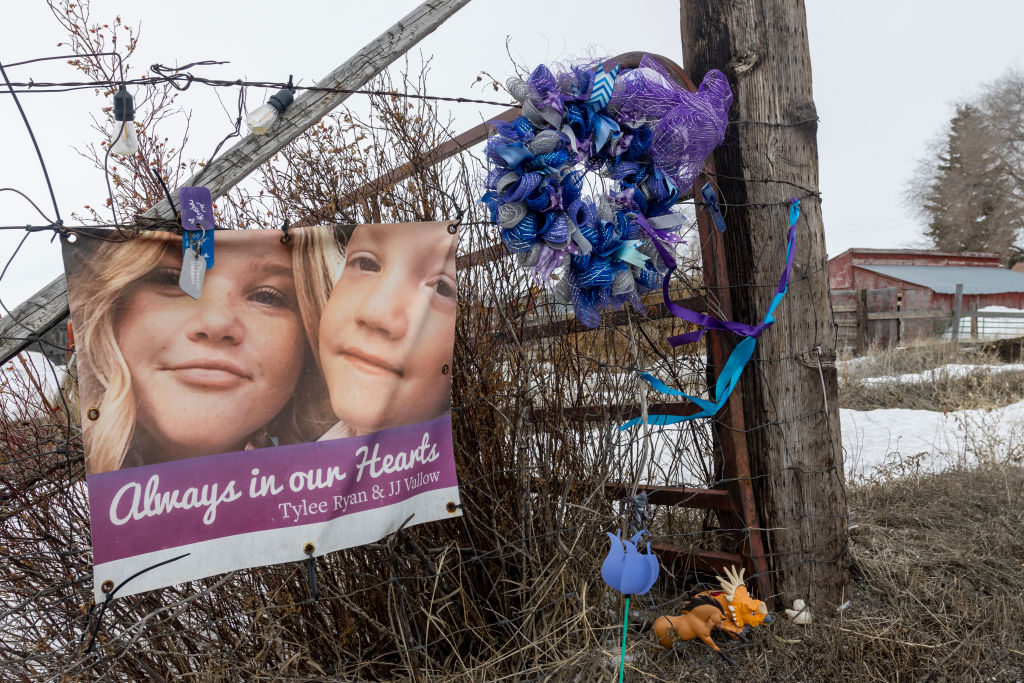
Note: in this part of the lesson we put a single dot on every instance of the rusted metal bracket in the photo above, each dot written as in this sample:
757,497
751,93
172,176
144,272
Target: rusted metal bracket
734,503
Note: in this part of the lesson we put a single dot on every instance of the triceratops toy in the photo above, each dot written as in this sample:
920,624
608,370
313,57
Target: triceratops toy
740,609
732,610
699,617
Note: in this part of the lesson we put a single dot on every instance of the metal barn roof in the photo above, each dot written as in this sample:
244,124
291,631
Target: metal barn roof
944,279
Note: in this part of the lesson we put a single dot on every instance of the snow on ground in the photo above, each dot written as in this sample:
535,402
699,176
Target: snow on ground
899,442
948,371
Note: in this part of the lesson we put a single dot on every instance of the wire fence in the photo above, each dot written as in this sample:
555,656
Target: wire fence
510,589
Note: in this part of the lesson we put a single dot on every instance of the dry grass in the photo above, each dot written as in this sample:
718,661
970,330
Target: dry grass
945,391
937,596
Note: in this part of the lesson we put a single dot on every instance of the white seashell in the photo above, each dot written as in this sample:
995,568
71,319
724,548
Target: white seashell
799,614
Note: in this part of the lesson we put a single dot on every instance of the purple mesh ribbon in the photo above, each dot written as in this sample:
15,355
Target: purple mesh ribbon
689,125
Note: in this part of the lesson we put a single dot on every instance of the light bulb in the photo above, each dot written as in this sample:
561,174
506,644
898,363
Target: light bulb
260,120
124,140
127,142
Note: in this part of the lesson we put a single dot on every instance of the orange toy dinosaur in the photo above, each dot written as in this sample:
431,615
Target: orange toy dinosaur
735,601
700,616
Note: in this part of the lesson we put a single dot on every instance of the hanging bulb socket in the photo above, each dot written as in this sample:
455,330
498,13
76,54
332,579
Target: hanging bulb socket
124,105
282,99
125,141
263,118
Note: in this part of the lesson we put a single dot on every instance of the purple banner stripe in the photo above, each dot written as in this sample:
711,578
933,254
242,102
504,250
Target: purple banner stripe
153,507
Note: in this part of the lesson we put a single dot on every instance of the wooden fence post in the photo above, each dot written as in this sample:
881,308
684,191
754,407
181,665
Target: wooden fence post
899,321
958,301
974,320
790,388
863,339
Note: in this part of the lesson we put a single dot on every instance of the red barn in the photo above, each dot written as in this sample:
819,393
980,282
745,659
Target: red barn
918,281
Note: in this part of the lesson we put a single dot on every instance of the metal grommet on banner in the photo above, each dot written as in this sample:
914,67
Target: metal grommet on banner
452,507
94,413
453,228
71,238
108,589
444,369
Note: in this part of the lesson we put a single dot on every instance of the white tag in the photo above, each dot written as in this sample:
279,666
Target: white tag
668,221
193,272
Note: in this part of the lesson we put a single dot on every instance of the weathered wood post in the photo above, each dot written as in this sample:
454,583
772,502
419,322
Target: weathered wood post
790,388
958,309
863,338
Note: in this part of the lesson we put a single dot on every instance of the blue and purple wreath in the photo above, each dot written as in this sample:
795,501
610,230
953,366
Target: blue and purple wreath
636,128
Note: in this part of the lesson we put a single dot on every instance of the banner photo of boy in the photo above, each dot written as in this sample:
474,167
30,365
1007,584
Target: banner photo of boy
303,398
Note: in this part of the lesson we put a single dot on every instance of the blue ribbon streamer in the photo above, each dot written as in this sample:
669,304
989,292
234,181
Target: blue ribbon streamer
730,374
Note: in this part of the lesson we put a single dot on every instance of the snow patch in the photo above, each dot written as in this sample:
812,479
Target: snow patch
894,442
948,371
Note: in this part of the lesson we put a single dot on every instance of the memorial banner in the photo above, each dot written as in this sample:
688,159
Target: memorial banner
302,401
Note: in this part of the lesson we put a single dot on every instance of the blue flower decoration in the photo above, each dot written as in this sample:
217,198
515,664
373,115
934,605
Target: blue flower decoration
626,569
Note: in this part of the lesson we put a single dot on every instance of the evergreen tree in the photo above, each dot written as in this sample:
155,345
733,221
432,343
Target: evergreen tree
970,192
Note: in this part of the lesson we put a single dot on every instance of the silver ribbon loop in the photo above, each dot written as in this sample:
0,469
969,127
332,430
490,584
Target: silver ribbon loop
509,215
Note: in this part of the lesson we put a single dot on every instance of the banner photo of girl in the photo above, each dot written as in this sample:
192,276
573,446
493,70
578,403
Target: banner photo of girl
304,399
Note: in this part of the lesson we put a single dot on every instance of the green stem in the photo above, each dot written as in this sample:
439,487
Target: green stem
622,663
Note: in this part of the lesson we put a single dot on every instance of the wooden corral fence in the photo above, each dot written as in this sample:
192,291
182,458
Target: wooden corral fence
733,503
875,317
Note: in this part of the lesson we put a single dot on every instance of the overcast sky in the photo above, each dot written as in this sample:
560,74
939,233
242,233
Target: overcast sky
884,73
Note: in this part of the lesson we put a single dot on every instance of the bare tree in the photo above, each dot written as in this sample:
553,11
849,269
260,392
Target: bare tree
133,184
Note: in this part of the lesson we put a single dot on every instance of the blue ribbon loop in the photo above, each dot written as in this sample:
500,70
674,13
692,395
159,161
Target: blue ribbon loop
738,359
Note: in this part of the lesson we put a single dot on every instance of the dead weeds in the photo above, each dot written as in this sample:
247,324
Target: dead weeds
938,592
942,390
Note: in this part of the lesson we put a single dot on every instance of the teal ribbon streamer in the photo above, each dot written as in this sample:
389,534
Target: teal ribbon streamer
628,252
733,368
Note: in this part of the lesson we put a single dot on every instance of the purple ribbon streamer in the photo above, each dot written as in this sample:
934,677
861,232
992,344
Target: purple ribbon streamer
710,322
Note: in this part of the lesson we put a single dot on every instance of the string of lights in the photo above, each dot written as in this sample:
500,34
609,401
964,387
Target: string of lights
182,81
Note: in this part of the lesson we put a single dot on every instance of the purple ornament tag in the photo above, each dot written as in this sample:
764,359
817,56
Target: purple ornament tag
197,217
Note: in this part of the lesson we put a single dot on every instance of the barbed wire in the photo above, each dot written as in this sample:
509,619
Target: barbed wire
515,520
175,78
